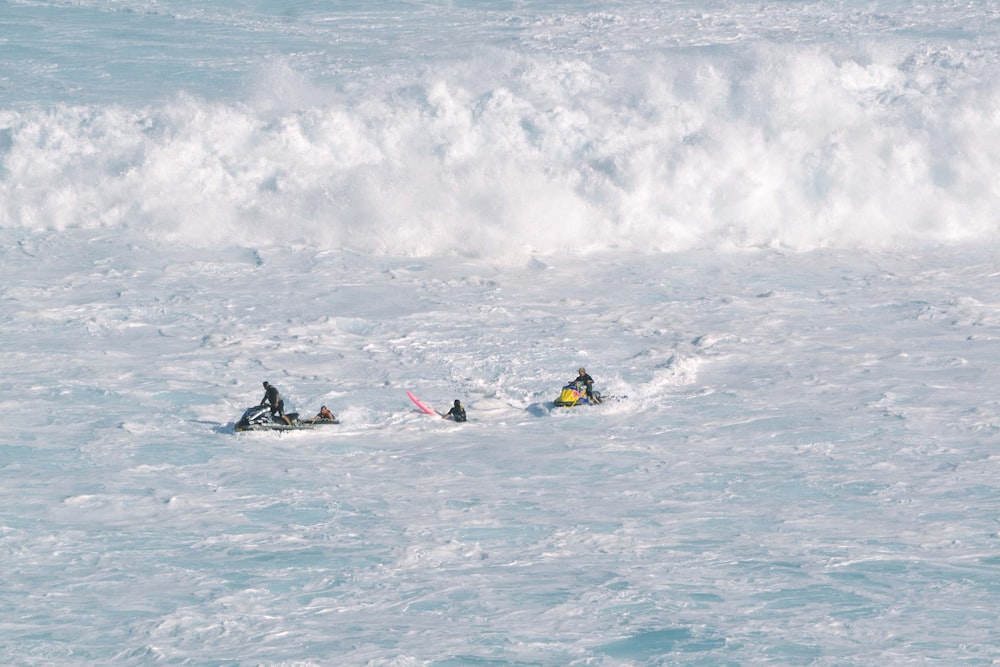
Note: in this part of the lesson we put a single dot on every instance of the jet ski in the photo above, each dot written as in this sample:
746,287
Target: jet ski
258,418
574,394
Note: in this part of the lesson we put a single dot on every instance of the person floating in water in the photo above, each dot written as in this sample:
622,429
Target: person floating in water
456,413
272,398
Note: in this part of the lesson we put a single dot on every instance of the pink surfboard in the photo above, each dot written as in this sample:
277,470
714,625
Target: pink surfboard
419,403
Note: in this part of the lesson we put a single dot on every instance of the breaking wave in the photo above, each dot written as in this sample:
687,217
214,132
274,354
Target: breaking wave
794,146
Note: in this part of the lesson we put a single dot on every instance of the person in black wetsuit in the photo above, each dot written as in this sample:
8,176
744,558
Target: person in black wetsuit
273,399
457,412
586,381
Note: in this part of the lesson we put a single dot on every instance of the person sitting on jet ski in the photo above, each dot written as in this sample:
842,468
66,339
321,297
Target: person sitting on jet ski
585,380
273,399
457,412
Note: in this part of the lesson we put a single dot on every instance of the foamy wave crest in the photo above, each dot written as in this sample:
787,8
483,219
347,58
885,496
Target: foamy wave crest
790,146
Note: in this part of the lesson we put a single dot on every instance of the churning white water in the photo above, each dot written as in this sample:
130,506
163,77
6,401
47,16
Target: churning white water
770,226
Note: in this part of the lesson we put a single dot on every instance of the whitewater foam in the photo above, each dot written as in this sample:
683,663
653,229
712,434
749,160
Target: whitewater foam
506,153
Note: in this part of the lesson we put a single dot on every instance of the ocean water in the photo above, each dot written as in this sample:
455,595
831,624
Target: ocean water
769,228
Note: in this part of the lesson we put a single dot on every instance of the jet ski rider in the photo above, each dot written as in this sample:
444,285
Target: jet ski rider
273,399
585,380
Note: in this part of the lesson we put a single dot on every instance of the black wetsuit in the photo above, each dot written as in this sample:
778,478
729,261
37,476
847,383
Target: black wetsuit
457,413
273,398
587,381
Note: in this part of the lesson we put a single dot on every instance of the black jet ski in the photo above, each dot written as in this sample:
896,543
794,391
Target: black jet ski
258,418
